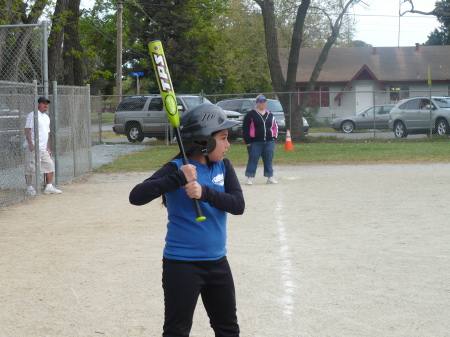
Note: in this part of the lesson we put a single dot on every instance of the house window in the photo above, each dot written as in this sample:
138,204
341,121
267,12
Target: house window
398,92
320,97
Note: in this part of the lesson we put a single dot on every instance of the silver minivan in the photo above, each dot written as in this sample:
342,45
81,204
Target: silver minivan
419,115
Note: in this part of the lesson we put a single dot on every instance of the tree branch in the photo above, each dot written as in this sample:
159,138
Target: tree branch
434,12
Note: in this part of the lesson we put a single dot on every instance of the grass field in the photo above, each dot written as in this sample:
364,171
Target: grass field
319,152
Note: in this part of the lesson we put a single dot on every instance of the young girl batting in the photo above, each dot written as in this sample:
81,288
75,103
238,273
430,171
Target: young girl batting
194,260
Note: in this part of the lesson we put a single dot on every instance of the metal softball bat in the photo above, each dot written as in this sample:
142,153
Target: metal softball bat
170,103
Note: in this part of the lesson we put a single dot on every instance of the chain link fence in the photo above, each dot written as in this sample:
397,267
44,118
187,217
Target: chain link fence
16,101
22,53
69,138
24,78
102,117
321,112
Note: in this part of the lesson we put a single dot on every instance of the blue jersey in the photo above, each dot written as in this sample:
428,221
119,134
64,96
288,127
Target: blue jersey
186,238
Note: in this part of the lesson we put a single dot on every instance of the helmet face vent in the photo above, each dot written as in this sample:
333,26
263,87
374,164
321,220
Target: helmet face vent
207,116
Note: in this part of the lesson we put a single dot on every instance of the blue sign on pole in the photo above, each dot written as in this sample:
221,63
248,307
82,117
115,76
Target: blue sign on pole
140,73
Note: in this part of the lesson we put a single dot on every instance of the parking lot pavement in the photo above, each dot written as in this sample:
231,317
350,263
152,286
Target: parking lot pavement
106,153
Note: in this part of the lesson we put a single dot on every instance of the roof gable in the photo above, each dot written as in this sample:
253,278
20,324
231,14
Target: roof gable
363,74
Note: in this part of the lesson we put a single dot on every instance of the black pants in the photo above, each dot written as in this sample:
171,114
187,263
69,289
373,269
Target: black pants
184,281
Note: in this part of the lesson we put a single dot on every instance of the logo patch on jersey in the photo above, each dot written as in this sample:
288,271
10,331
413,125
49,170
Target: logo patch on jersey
218,179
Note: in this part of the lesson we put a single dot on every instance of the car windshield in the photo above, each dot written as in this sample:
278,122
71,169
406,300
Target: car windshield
278,116
194,101
442,102
367,111
274,106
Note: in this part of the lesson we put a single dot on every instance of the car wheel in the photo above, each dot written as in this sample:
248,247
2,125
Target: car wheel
348,127
442,127
134,133
400,130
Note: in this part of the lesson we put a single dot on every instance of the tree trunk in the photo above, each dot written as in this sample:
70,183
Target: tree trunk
55,42
72,50
271,39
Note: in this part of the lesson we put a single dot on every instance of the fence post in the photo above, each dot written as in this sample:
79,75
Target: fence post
45,57
374,113
37,164
99,118
54,130
88,96
73,127
290,111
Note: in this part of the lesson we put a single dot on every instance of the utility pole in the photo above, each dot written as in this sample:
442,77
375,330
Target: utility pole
119,52
399,16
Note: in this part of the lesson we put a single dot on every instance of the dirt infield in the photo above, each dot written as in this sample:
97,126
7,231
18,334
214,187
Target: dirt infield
329,251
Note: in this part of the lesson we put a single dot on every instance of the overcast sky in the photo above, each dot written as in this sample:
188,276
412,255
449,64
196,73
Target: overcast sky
378,23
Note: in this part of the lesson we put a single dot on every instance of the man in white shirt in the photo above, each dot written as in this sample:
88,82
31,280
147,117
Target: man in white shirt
45,155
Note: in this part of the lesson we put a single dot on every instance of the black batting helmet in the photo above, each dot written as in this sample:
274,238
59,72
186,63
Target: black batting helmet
198,124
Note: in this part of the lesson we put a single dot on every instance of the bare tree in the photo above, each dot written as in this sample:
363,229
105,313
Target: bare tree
286,85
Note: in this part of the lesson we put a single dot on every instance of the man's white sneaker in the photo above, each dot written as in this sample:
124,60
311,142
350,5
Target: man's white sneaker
272,180
52,190
30,191
249,181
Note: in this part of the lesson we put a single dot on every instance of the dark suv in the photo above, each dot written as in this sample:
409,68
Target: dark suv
138,117
243,105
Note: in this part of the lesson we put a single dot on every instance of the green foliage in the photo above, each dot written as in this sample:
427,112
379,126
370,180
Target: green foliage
98,30
312,111
206,43
21,11
242,55
185,29
441,36
314,123
359,43
211,45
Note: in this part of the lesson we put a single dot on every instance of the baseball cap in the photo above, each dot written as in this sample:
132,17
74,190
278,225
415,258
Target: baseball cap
43,99
260,99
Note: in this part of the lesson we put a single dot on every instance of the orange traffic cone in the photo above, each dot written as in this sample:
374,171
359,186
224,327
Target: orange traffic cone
288,145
